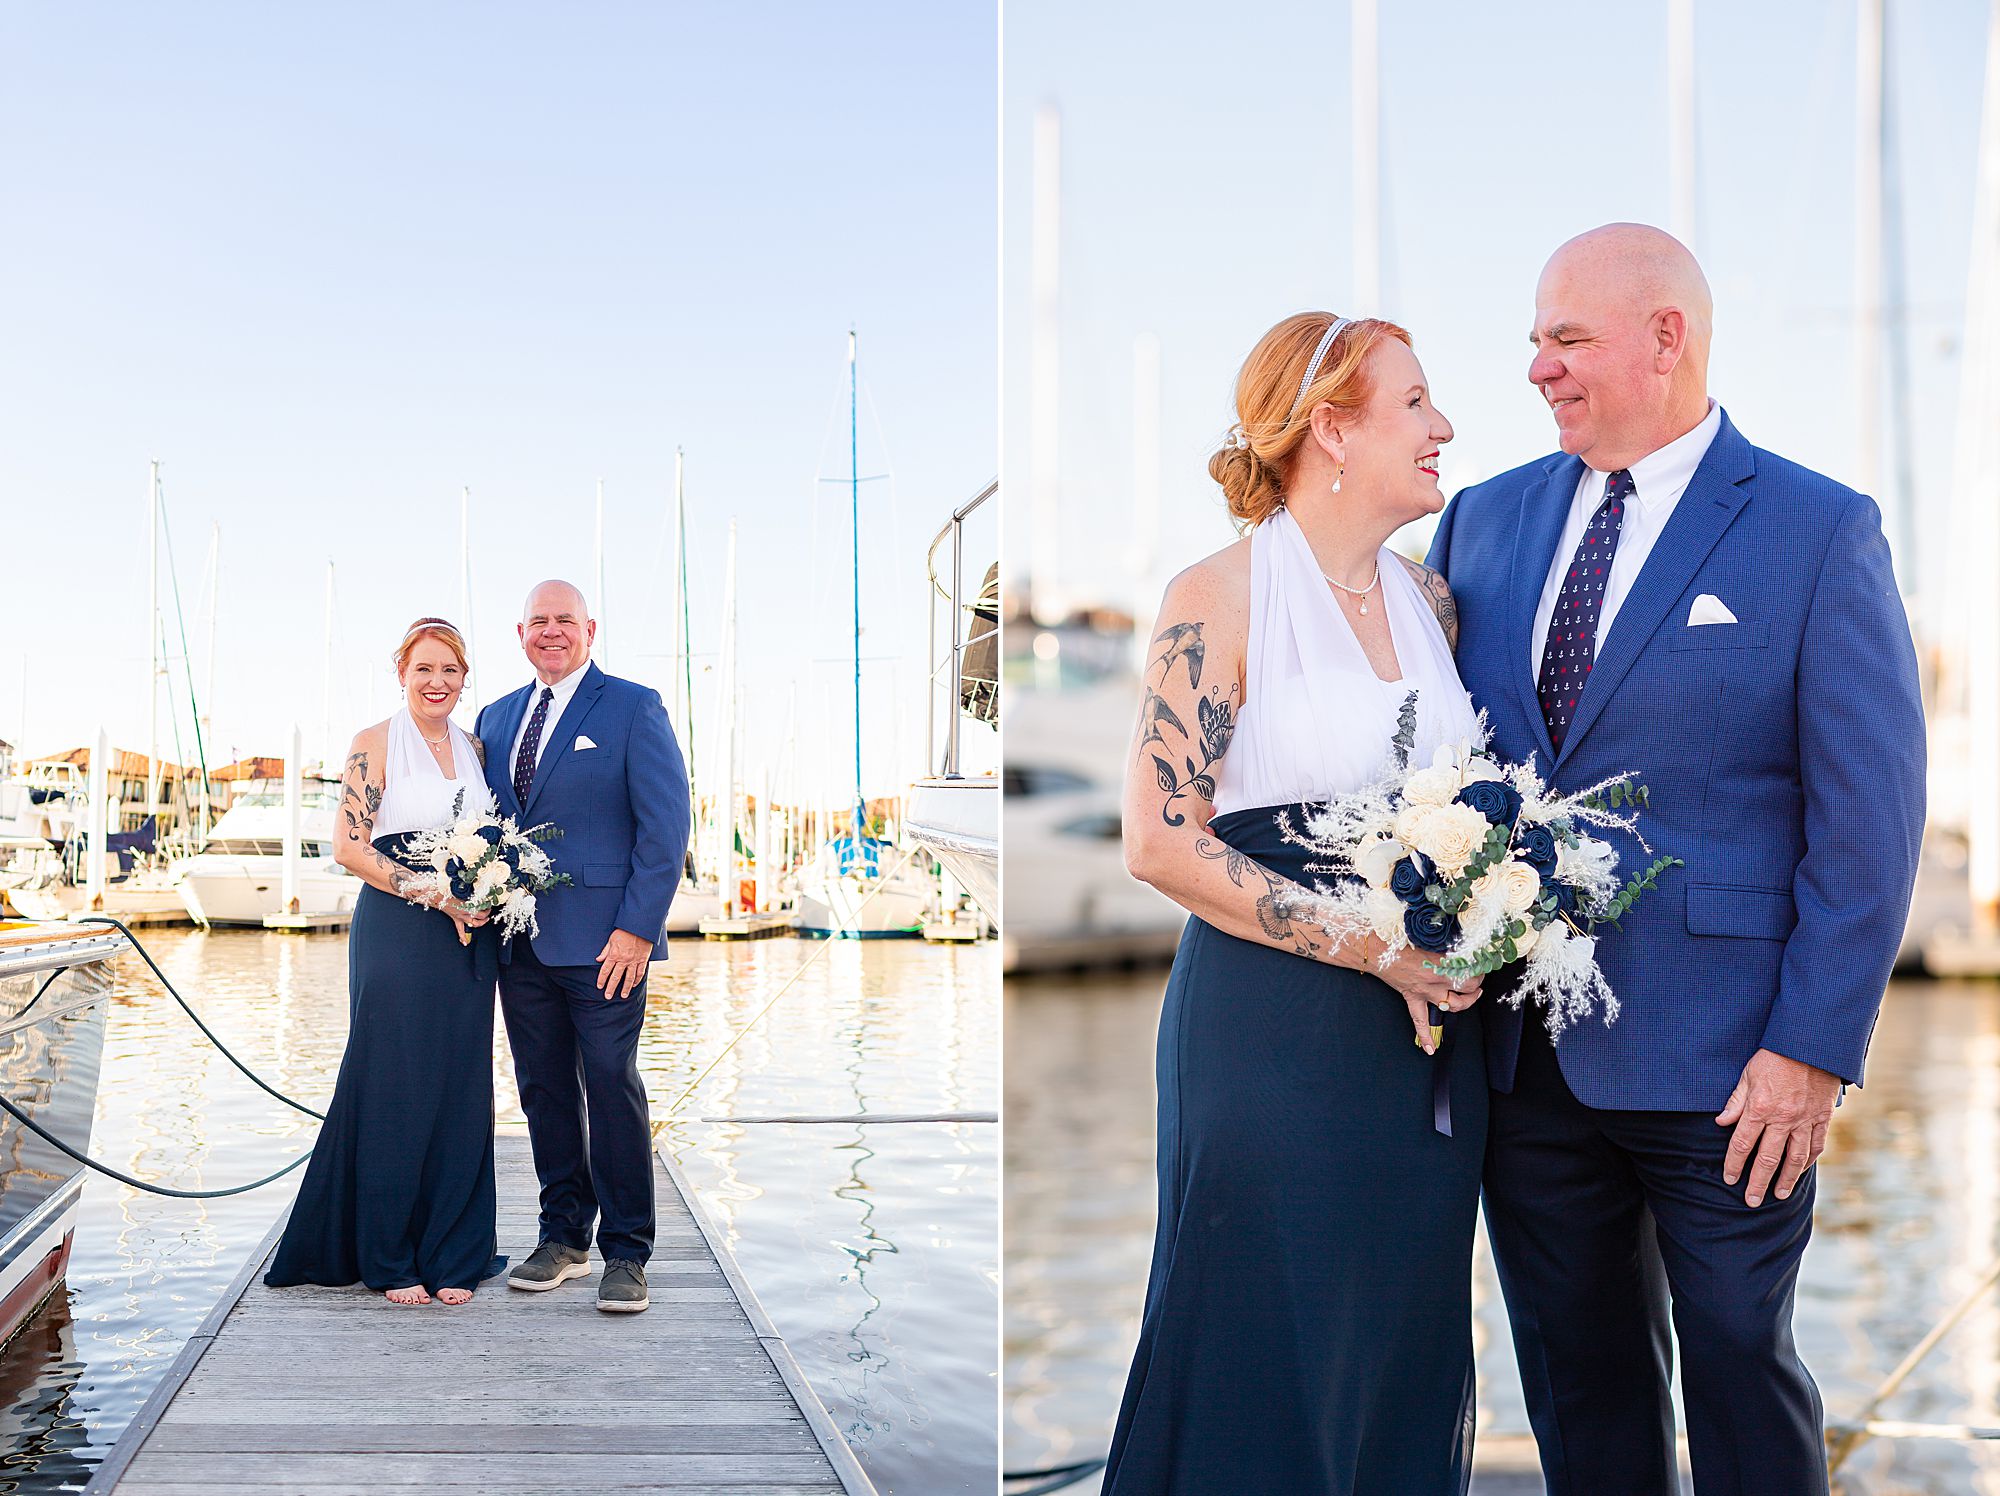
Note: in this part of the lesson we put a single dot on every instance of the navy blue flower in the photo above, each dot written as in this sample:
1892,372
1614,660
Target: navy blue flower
1430,928
1565,896
1537,847
1409,879
1497,801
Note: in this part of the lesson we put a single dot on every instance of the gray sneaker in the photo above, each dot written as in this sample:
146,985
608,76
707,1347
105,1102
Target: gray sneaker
549,1264
622,1289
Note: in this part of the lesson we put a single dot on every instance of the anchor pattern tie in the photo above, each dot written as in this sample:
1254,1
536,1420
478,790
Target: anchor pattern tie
1571,647
531,743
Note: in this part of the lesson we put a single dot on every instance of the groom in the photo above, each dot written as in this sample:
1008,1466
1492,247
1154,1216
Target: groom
595,756
1661,597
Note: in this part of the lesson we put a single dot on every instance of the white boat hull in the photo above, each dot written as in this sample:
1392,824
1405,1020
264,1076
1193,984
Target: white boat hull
958,822
141,904
222,890
691,906
850,906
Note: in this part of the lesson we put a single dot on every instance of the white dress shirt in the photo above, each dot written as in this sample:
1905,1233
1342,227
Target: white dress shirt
564,689
1658,481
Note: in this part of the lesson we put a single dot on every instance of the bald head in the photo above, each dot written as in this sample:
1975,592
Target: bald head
1644,269
556,630
1623,320
555,595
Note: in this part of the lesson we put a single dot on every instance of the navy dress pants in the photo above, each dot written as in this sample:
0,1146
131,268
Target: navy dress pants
576,1060
1605,1223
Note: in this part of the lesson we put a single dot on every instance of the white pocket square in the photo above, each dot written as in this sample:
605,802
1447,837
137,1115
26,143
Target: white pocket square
583,742
1708,608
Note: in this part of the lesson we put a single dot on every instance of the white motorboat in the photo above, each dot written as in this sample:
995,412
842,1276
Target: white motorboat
953,814
238,877
55,991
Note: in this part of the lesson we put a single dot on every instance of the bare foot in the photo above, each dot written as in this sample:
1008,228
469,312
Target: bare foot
414,1294
454,1295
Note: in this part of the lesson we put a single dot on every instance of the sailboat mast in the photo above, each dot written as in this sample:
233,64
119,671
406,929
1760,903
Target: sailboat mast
683,624
326,690
152,642
465,589
854,514
1364,65
599,601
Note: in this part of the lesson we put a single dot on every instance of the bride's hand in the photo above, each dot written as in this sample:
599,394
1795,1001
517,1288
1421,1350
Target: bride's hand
1421,988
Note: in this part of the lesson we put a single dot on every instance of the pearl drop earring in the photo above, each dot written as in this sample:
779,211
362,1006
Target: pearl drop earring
1337,477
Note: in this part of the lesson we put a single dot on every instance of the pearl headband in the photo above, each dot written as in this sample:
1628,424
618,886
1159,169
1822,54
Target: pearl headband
1312,369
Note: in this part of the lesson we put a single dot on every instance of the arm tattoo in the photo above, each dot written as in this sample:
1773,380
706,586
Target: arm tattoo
357,812
1215,722
1273,904
1439,596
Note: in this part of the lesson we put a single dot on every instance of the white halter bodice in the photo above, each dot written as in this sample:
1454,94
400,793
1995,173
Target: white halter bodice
1316,720
415,793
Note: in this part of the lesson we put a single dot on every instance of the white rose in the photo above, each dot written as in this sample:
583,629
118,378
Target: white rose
467,846
1525,941
1413,826
1453,835
1377,859
1433,786
492,878
1514,884
1384,912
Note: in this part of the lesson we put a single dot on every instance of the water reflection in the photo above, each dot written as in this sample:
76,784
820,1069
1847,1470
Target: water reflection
1907,1216
872,1246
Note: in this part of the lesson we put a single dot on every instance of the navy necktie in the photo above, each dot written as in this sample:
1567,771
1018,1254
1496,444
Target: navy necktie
531,741
1571,647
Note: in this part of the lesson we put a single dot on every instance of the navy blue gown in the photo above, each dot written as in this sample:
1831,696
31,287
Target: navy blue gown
1308,1322
400,1188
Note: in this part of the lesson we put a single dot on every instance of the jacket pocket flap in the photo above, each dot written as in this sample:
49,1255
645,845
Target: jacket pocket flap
1755,913
1755,634
605,874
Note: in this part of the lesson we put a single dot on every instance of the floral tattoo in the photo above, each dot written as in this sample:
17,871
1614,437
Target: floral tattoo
359,802
1273,912
1215,722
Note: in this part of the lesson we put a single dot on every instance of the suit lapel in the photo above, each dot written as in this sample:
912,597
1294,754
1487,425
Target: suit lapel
555,749
1544,507
1707,509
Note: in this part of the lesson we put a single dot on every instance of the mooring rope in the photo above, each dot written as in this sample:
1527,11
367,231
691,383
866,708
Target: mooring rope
105,1169
1055,1477
139,1184
147,956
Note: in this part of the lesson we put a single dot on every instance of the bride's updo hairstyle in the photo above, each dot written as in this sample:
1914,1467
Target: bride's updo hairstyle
1273,421
429,628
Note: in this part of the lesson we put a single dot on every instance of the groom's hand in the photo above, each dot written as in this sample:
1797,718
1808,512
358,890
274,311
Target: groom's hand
1781,1110
621,965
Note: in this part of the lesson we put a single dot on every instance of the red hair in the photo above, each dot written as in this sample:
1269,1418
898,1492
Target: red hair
1274,421
430,628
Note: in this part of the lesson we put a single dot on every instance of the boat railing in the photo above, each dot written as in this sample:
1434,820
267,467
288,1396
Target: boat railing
949,667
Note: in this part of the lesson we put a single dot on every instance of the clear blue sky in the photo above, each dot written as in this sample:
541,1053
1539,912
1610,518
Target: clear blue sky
1206,178
330,262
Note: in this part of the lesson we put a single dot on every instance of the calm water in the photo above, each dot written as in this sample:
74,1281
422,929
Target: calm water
1908,1216
872,1246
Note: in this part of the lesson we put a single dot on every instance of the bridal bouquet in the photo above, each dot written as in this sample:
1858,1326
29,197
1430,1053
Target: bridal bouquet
488,864
1480,865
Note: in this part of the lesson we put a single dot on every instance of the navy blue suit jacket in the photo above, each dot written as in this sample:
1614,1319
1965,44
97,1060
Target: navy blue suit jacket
622,806
1784,752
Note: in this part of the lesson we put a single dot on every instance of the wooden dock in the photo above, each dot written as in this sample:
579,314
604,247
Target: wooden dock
331,1391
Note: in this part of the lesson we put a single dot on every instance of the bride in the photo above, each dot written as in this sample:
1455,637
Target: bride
399,1194
1308,1321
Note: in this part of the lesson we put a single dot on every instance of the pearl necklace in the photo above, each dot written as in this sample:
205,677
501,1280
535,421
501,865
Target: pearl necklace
1362,592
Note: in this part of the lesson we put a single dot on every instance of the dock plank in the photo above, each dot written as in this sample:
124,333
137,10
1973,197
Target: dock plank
325,1390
